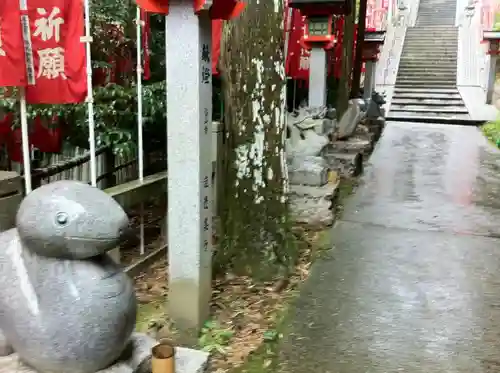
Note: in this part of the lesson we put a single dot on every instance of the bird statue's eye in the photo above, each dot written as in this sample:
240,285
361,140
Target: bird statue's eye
62,218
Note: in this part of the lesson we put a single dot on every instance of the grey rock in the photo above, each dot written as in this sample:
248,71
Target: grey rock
345,164
350,119
308,171
374,110
66,314
313,206
328,126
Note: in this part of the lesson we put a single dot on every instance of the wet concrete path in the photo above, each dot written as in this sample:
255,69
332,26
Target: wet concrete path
412,283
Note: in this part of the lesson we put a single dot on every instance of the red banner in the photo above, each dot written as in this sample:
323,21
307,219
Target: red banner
12,66
58,53
297,61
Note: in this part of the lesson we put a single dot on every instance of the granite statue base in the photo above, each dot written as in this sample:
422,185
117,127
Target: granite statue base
135,359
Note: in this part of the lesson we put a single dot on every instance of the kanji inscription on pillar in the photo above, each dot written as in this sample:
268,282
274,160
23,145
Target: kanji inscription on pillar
205,142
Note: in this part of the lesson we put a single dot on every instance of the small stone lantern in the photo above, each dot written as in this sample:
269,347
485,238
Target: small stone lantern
319,37
371,51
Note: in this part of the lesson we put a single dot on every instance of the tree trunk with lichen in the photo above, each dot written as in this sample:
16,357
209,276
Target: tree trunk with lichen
347,57
360,41
252,201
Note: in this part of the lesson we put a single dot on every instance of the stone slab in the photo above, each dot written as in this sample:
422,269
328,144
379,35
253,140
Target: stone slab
313,206
308,171
8,210
475,101
10,182
186,360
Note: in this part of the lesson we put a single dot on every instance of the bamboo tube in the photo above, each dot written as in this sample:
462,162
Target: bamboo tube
163,358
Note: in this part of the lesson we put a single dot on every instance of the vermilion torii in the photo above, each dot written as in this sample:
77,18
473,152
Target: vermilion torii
218,9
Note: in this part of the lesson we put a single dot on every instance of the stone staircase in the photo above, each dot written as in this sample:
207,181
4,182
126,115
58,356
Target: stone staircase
426,82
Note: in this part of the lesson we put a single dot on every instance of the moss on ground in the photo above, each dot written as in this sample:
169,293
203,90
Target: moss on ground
492,132
148,312
266,358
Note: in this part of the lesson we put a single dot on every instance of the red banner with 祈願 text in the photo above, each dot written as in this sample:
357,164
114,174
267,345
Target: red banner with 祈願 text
58,53
12,66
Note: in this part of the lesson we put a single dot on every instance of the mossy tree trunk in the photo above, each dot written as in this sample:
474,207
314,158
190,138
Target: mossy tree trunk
347,57
253,185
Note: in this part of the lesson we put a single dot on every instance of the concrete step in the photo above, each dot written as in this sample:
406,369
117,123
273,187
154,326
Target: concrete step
429,54
426,85
447,22
445,47
424,38
426,97
412,44
436,13
438,114
423,23
442,119
430,109
431,34
435,70
445,29
435,27
424,52
429,70
420,41
427,66
418,80
423,41
433,19
418,44
423,80
427,76
430,51
398,100
450,91
420,60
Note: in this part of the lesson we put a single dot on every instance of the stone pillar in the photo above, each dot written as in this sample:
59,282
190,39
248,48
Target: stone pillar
11,194
189,138
317,78
370,69
491,79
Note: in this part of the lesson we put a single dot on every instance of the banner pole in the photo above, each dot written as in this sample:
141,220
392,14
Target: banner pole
90,96
140,141
30,73
25,141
